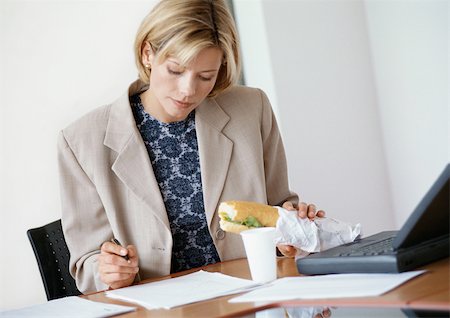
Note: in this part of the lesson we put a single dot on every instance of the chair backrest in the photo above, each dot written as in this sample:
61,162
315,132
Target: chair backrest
52,256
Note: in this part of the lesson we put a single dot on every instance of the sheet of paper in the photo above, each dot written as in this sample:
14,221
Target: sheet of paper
69,307
327,286
182,290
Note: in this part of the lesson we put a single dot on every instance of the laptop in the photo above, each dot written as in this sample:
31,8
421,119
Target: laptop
424,238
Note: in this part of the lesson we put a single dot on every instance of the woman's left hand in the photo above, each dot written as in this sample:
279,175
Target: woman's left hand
303,210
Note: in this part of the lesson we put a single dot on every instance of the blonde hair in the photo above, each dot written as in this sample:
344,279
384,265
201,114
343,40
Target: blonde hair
182,28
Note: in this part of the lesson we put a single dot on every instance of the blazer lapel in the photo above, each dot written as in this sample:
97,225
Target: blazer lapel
132,165
215,152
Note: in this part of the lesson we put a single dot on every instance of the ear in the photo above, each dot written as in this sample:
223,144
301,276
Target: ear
147,54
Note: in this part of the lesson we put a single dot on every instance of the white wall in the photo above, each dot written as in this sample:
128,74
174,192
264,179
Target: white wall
409,41
327,103
362,96
255,49
60,59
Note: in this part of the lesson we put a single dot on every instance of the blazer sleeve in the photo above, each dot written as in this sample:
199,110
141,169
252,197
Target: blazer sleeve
84,221
275,165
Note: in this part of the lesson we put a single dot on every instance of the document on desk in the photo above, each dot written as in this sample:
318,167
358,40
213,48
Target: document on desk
73,306
182,290
327,286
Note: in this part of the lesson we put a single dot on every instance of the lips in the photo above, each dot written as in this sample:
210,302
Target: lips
182,104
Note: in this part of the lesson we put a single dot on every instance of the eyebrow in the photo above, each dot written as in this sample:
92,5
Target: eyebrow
205,71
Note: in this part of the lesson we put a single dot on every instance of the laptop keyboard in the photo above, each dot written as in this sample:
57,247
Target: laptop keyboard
378,248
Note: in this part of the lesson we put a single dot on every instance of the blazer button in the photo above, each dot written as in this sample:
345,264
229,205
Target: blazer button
220,234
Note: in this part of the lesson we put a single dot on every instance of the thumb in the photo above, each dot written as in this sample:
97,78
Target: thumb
288,206
132,251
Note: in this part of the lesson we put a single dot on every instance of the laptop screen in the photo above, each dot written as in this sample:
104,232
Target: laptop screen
430,219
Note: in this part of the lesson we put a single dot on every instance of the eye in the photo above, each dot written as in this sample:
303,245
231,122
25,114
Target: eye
173,72
206,79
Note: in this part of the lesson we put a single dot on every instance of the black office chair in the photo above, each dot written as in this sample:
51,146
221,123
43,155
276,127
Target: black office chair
52,256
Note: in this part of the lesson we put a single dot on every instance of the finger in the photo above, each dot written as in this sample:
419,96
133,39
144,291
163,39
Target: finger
109,247
117,276
302,210
110,274
116,279
287,250
288,205
113,259
106,261
116,269
326,313
289,254
311,211
320,213
122,283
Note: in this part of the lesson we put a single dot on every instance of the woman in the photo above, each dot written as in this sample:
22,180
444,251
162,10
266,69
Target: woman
151,168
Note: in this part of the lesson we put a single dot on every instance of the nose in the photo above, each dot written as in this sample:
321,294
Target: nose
187,85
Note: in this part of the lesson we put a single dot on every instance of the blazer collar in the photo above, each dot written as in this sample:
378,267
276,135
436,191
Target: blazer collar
121,125
133,166
215,150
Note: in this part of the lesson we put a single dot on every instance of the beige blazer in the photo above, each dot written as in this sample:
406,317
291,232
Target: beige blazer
108,188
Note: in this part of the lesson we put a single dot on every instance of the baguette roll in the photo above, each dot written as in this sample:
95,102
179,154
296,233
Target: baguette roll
237,216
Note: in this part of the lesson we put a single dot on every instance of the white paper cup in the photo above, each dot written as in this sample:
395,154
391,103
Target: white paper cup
261,253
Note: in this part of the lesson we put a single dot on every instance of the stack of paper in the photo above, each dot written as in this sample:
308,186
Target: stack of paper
182,290
327,286
203,285
68,307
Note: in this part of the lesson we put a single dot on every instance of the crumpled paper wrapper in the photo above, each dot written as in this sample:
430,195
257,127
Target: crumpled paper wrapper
292,312
308,312
313,236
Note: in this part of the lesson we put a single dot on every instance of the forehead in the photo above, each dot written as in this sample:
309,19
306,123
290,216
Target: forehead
209,57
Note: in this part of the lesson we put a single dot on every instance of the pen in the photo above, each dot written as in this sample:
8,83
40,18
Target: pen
116,241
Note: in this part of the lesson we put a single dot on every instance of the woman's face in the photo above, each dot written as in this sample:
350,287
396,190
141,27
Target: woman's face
176,90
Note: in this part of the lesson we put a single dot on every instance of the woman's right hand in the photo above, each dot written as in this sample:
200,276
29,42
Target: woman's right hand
115,271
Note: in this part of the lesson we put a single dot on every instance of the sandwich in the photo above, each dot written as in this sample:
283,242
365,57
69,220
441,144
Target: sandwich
238,216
